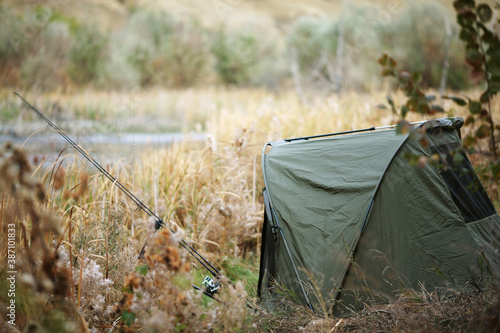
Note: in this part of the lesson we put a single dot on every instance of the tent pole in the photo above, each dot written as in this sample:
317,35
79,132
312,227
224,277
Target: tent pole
293,264
347,132
268,204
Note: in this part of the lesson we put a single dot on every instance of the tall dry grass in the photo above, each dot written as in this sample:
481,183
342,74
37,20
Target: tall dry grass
42,290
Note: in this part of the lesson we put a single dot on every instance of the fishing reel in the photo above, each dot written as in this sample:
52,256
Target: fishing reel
211,286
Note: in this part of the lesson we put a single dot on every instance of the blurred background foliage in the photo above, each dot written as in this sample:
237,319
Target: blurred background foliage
50,49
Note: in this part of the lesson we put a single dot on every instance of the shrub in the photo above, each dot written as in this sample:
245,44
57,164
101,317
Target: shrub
14,44
236,55
309,39
132,50
185,56
45,66
314,43
361,33
86,54
11,33
118,72
416,36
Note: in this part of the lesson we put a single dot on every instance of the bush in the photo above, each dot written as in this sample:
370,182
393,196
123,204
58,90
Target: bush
86,54
309,39
153,48
236,54
409,32
185,57
313,45
416,37
361,25
132,50
11,40
15,40
45,66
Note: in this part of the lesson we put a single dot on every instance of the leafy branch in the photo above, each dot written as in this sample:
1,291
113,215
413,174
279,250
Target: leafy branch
482,48
410,84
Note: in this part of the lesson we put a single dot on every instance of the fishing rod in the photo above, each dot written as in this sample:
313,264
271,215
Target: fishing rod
211,284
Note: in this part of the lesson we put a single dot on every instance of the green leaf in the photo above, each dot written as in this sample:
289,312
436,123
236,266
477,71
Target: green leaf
470,120
494,52
382,106
402,127
474,107
383,59
466,19
495,78
436,108
463,4
469,141
423,108
392,63
473,58
391,103
484,12
458,101
485,96
495,71
494,84
143,270
467,34
404,111
128,317
488,36
483,131
389,72
416,77
494,88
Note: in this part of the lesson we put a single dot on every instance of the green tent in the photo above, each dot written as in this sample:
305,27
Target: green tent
353,218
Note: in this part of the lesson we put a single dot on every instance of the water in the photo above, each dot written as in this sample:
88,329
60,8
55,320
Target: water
104,148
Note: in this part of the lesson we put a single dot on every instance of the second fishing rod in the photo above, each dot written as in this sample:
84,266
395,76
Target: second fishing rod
211,285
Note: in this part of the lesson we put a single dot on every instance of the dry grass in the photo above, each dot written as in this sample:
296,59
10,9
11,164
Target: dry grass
411,311
428,312
43,291
210,193
223,113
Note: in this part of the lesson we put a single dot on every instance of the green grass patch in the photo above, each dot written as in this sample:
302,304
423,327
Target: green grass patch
237,269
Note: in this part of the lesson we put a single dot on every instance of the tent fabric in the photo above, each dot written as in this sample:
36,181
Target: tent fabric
487,234
361,222
415,235
323,189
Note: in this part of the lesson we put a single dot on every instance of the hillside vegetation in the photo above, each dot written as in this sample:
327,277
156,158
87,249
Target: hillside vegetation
320,45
